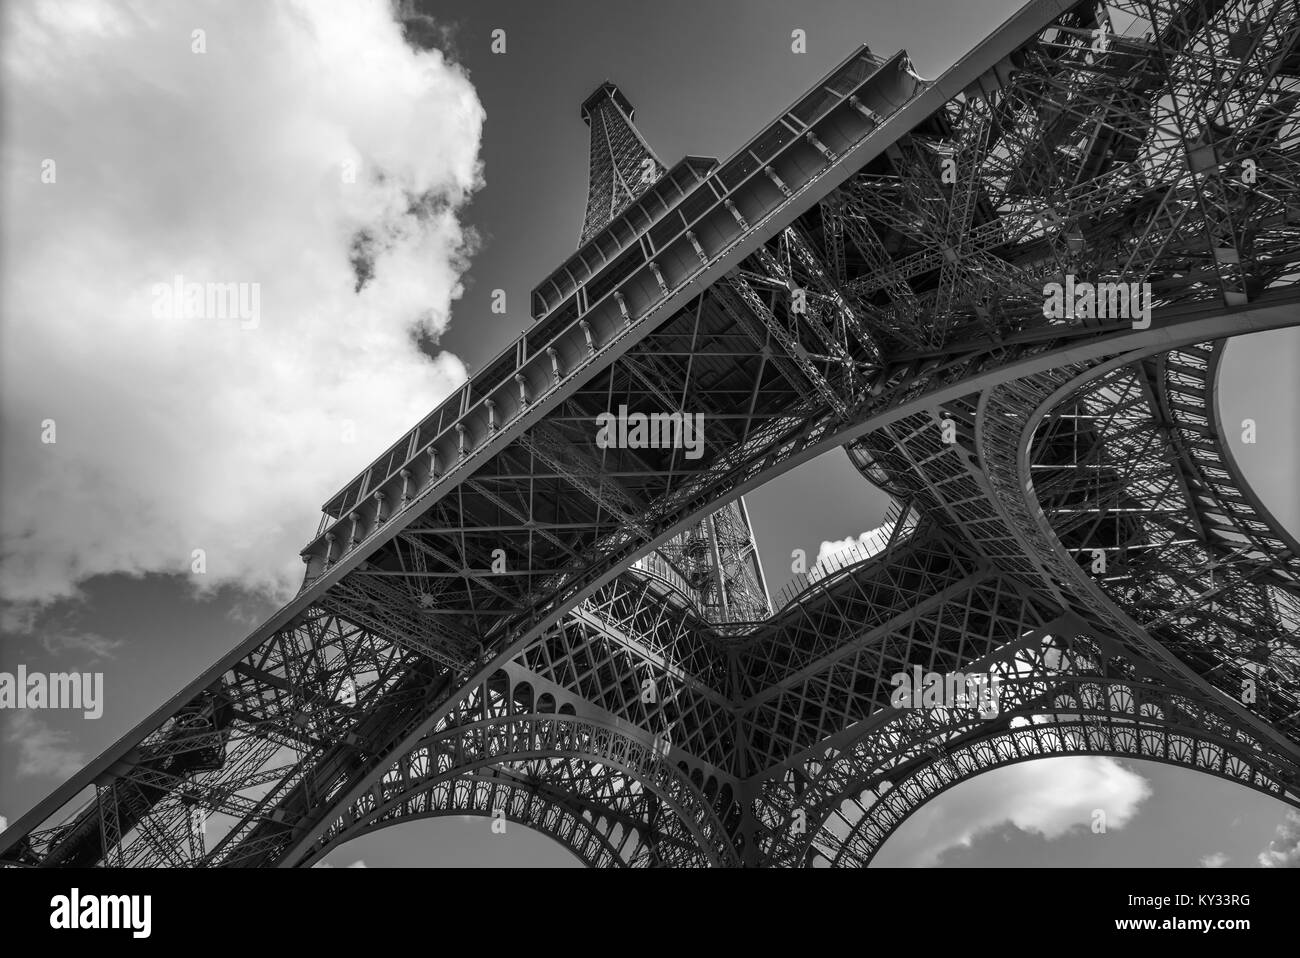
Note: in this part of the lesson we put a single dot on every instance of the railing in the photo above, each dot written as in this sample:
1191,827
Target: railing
850,104
899,522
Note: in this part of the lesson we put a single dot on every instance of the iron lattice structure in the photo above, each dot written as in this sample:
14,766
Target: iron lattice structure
922,220
622,164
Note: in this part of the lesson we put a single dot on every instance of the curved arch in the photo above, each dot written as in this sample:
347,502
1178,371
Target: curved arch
581,836
752,464
578,851
1059,696
1014,746
1183,568
569,762
1010,415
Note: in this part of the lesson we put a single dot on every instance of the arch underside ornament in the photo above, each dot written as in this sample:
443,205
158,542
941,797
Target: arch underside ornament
1064,692
1200,595
924,302
1060,697
602,792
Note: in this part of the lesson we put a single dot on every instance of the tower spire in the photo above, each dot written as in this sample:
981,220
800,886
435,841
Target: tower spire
622,163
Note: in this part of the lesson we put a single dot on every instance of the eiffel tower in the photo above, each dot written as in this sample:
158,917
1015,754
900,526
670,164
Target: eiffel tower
499,617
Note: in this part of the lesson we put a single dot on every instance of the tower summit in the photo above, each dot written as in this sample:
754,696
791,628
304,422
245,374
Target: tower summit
622,163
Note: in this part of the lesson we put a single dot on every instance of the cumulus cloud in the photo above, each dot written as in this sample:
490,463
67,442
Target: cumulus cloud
1049,797
310,149
1215,860
839,553
1284,850
41,750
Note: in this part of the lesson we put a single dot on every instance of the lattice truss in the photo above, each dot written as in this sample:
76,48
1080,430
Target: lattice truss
622,164
524,756
499,614
1061,697
1194,565
715,567
1119,151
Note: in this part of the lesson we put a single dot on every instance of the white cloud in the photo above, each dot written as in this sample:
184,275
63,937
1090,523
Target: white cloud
1049,797
224,167
41,749
1215,860
839,553
1284,850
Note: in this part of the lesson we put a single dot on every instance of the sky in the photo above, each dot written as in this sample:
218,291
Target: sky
276,146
